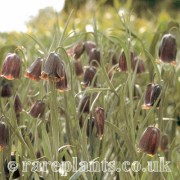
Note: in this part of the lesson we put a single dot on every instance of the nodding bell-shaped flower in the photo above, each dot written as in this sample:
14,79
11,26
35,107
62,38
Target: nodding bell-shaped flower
149,140
34,71
37,109
99,121
6,90
78,68
140,66
62,84
11,67
53,69
164,142
94,57
88,45
4,135
84,104
123,61
153,92
17,105
78,50
88,77
168,49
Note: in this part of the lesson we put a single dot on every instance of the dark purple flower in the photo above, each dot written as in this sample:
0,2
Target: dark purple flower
34,71
88,77
99,121
11,67
94,57
37,109
78,50
53,69
168,48
150,140
4,135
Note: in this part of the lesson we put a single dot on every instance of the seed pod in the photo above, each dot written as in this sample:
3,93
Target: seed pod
17,105
34,71
84,104
155,94
78,50
123,61
37,109
99,121
62,84
164,142
150,140
4,135
78,67
11,67
168,48
94,57
88,45
53,68
88,76
16,173
6,90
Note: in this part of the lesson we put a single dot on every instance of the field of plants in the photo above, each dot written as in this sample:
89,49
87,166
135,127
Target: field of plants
92,93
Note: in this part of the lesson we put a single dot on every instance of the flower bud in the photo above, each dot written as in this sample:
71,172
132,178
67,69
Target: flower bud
78,67
34,71
164,142
78,50
89,45
140,66
6,90
94,57
37,109
149,89
123,61
88,76
17,106
11,66
53,69
84,104
155,94
4,135
168,48
150,140
99,121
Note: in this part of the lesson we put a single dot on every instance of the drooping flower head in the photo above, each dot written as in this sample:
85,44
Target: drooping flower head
53,68
149,140
168,48
11,66
34,71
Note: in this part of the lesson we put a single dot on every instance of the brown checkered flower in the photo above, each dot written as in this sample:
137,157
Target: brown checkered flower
37,109
88,77
11,66
34,71
53,69
149,140
94,57
168,48
99,121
